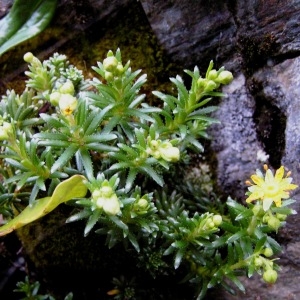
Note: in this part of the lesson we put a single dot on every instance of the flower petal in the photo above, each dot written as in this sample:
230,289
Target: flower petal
279,174
269,179
257,179
267,204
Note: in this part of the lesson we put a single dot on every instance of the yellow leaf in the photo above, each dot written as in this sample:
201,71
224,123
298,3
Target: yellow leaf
65,191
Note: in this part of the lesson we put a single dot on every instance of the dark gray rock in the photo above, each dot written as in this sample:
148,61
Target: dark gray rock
192,31
259,41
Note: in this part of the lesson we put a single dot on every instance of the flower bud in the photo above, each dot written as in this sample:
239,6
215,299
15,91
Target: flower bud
225,77
268,252
96,194
106,191
281,217
210,224
141,206
217,219
67,88
258,262
108,76
5,131
110,64
28,57
154,144
120,69
201,83
111,206
212,75
67,104
168,152
270,276
274,223
54,98
210,86
156,154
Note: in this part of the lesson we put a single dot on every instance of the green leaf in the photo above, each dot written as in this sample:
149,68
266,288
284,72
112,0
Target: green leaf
178,258
87,163
64,158
65,191
25,20
260,244
93,219
236,281
134,241
152,174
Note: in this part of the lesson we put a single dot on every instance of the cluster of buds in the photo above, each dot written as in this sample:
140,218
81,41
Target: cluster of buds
141,206
273,220
163,149
213,80
112,67
210,223
64,99
213,222
263,262
106,199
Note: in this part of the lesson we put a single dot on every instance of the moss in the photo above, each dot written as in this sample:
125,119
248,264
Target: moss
257,50
67,261
129,31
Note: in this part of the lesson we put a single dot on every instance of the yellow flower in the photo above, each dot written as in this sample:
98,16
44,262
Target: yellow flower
67,104
270,188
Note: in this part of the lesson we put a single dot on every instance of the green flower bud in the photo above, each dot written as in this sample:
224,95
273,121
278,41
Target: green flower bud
141,206
67,88
210,224
281,217
258,262
156,154
28,57
96,194
154,144
210,86
274,223
110,64
225,77
217,219
54,98
106,191
212,75
120,69
270,276
268,252
109,53
168,152
201,83
108,76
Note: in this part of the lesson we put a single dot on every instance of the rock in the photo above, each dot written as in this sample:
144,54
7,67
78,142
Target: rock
193,31
259,41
